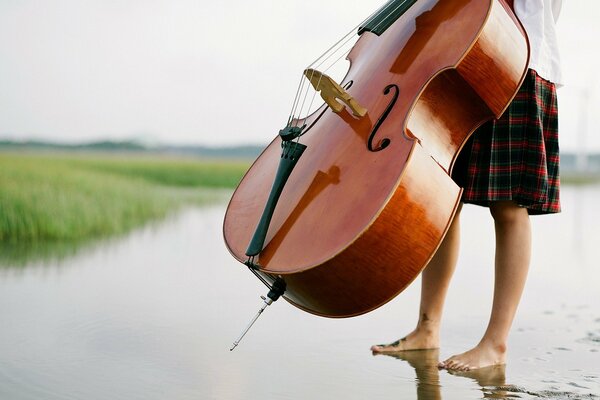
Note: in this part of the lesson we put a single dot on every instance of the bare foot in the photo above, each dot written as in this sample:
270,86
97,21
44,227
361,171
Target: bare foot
416,340
482,355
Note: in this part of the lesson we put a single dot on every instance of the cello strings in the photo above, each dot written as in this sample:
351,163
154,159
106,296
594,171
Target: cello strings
363,22
345,53
300,87
350,33
295,99
330,53
306,93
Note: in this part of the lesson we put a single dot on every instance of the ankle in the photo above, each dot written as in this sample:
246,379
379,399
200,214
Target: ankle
497,346
428,327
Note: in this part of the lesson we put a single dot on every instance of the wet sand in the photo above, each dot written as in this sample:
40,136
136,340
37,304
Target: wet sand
152,315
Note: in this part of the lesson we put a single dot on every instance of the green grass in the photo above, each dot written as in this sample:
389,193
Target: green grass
72,197
54,197
580,178
168,171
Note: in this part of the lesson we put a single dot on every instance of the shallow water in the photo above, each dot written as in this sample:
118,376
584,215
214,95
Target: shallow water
152,315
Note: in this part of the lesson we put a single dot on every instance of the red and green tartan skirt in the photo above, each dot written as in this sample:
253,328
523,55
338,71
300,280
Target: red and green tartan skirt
516,157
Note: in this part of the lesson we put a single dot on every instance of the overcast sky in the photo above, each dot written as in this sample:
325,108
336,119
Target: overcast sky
218,73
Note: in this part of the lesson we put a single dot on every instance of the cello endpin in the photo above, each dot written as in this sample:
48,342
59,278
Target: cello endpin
276,291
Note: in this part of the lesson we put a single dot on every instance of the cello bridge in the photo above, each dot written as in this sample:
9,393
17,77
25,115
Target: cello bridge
332,93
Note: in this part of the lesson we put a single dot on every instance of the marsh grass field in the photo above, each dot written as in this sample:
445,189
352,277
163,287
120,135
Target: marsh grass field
58,197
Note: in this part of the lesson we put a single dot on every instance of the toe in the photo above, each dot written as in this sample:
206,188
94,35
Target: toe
453,365
382,348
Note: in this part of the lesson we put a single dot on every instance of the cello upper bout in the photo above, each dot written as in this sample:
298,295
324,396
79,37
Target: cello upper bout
458,100
506,43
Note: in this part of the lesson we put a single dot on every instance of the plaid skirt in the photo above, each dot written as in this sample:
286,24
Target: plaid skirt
516,157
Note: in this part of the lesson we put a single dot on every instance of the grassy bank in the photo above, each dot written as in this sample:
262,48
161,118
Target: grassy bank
54,197
70,197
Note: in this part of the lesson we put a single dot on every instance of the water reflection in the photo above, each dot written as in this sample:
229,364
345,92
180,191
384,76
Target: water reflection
21,255
490,380
425,363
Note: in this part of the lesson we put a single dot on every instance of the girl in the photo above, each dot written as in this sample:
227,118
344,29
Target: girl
510,166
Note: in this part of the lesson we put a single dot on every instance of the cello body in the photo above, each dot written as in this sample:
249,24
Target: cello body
355,223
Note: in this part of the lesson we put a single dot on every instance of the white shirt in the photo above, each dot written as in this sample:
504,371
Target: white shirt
539,20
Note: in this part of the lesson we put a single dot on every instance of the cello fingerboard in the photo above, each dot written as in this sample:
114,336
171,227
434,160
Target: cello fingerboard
386,16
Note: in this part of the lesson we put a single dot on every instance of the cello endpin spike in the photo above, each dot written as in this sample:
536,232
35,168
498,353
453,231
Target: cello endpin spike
277,289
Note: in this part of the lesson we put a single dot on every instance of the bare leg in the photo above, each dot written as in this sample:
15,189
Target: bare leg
434,286
513,252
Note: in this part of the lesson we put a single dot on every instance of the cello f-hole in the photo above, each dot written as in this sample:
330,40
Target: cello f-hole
385,141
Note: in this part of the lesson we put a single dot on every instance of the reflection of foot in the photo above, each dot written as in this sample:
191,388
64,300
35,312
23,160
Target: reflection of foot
428,375
482,355
492,380
419,359
494,375
416,340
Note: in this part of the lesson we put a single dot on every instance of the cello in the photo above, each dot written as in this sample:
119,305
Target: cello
347,205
